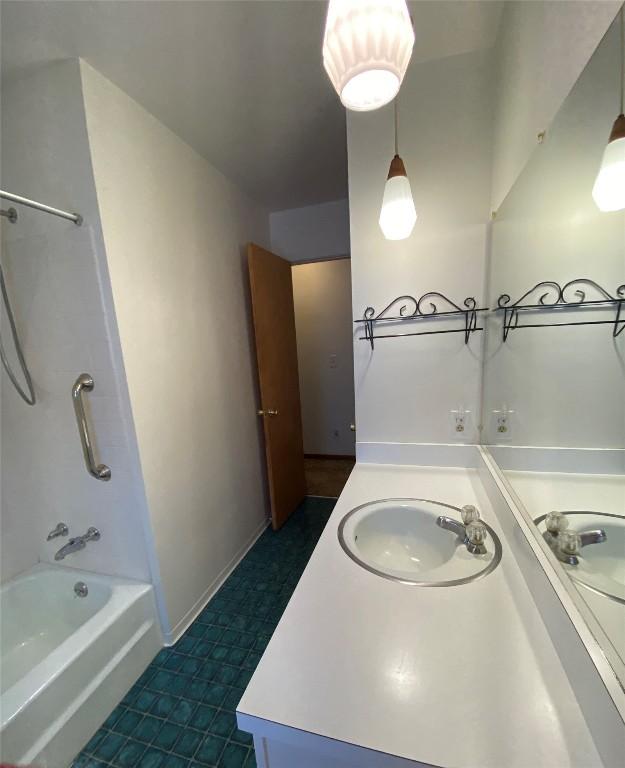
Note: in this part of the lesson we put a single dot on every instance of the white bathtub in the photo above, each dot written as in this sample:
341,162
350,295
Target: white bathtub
66,661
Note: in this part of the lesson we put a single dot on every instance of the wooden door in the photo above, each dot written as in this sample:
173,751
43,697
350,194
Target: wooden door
276,354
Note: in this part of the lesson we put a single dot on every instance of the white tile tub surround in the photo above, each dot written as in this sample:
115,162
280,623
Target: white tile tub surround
72,665
58,280
56,294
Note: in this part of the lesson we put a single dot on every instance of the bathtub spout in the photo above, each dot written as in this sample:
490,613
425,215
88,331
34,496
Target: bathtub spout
77,543
73,545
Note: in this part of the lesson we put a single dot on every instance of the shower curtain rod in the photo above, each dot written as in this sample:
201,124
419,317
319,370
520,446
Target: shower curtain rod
75,217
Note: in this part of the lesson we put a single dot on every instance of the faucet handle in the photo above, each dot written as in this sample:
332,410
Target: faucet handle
476,533
570,542
61,529
469,514
556,522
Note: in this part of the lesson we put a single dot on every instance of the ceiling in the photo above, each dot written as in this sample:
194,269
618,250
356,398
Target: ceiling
240,81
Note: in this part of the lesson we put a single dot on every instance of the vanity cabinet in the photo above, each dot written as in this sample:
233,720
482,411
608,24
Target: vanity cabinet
364,670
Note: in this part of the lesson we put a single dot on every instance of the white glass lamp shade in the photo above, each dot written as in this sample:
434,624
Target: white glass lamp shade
609,189
366,50
398,214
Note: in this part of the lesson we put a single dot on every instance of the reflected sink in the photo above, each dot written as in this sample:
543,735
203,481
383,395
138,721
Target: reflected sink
400,539
601,566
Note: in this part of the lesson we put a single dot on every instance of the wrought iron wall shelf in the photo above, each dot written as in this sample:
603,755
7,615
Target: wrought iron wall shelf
431,306
550,296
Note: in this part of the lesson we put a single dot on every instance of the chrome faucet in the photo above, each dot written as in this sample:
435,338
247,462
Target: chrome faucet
77,543
567,544
60,530
471,530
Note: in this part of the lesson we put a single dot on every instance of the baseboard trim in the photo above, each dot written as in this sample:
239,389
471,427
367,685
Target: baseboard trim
172,637
330,456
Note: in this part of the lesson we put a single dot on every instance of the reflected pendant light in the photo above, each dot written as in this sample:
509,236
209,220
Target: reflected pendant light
366,49
609,189
398,214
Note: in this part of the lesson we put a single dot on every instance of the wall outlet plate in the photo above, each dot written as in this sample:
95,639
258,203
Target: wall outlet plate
502,424
460,423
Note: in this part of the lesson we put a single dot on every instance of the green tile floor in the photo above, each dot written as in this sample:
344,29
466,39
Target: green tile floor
180,713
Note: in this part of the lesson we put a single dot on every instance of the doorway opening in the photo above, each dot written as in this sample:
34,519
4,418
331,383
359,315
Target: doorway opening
323,321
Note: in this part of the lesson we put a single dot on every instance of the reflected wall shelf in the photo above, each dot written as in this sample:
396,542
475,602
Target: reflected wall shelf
432,306
549,296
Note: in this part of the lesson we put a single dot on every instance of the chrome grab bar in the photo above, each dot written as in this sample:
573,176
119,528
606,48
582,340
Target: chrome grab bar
85,383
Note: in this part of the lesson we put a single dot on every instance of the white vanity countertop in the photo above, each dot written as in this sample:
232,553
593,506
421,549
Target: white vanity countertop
455,677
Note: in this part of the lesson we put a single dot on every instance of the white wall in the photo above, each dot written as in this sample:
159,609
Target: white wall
566,385
322,294
406,387
58,281
175,232
542,47
311,233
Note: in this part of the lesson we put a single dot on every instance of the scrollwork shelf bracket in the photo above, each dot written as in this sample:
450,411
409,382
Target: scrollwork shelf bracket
551,296
431,306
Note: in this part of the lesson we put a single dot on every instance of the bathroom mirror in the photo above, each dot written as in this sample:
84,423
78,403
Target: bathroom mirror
554,366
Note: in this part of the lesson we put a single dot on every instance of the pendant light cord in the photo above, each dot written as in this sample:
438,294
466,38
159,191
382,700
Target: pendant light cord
395,113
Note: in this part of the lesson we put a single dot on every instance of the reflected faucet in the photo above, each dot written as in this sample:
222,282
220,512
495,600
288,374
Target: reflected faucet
77,543
471,530
567,544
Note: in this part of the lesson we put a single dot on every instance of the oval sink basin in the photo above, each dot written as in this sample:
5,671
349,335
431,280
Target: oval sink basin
400,539
601,567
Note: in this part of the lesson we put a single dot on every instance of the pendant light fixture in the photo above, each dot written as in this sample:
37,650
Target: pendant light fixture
398,214
366,49
609,189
